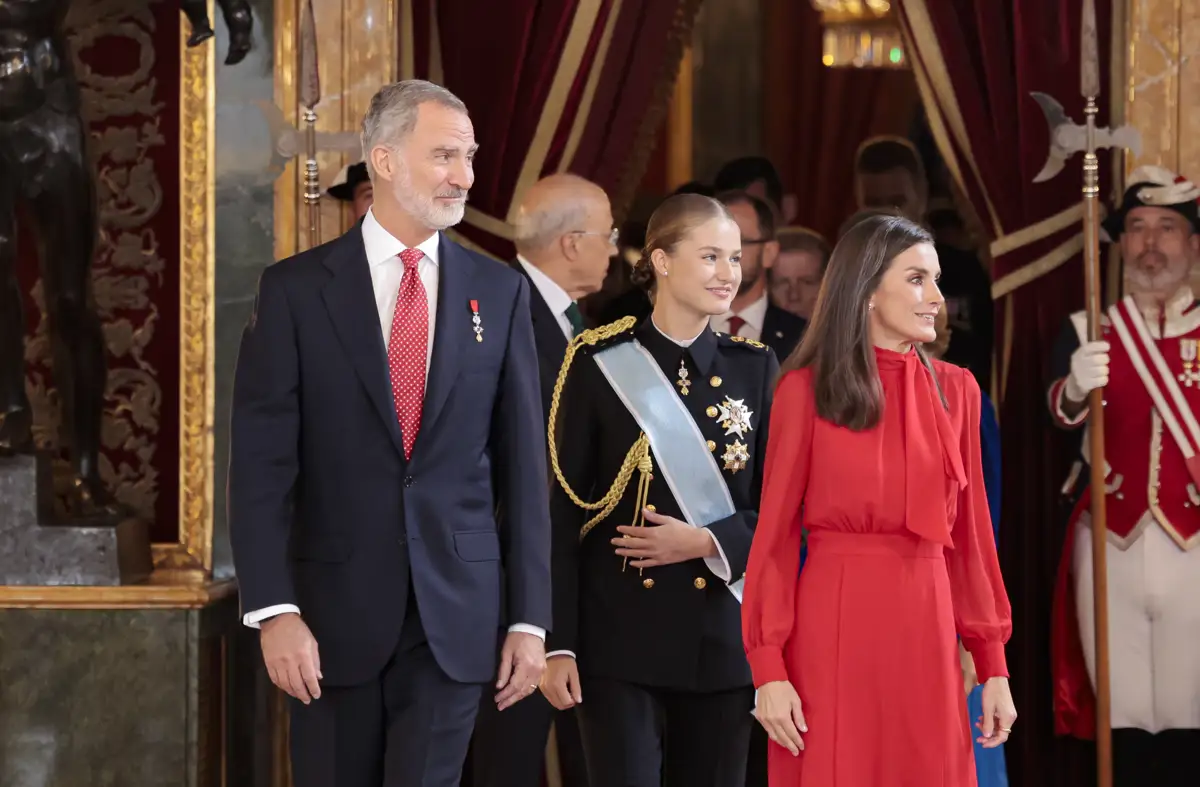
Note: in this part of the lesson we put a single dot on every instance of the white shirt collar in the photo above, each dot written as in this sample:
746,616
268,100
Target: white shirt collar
755,314
382,246
555,296
683,343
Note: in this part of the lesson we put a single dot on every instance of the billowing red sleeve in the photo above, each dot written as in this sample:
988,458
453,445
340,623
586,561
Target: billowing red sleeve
769,593
982,614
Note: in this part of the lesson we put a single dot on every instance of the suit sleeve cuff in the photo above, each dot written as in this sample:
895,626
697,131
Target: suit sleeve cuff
525,628
990,661
254,619
718,564
766,665
1057,392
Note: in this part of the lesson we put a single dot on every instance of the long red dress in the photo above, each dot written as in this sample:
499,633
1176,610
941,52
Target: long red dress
900,558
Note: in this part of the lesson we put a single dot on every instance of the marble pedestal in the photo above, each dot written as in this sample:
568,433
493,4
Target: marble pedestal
37,550
163,687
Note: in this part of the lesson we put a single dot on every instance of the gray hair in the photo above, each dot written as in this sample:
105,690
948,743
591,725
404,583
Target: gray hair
393,113
540,228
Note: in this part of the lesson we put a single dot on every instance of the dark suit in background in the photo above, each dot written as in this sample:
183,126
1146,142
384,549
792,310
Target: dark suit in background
508,748
782,331
398,566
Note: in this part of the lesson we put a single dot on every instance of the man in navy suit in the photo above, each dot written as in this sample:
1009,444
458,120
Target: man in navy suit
386,400
564,239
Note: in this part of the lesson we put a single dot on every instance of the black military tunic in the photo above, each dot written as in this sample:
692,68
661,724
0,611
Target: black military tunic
644,637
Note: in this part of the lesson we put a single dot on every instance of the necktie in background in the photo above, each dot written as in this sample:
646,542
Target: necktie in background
408,349
575,317
735,325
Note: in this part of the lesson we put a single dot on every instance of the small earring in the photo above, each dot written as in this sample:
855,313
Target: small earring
870,307
662,273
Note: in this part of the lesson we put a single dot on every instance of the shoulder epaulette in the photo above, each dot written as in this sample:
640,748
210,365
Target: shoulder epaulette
740,341
607,335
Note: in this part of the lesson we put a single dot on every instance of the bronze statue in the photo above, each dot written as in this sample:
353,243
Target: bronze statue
238,19
44,165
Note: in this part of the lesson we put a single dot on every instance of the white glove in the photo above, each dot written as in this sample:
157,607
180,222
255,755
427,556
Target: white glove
1089,371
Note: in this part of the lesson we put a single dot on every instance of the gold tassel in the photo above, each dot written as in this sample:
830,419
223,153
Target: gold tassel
646,471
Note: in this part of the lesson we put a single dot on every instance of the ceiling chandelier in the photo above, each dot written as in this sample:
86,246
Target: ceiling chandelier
860,34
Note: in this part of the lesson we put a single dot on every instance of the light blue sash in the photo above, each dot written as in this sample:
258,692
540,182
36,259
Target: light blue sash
684,460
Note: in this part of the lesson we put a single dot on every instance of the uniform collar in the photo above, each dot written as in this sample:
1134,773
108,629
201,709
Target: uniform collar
702,349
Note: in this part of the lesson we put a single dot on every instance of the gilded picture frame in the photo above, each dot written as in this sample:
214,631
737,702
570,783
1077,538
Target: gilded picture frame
190,557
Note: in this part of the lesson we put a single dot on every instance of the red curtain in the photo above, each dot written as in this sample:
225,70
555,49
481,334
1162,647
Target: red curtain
128,72
815,117
552,85
976,62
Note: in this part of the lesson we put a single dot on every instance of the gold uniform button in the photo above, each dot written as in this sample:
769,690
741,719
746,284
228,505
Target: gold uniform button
711,412
715,382
647,583
651,509
712,446
701,583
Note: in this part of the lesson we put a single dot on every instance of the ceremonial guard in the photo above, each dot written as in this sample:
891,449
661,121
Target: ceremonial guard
659,434
1148,366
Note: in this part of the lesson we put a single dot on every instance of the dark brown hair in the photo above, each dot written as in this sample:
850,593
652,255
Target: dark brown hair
837,343
670,223
764,214
884,154
805,240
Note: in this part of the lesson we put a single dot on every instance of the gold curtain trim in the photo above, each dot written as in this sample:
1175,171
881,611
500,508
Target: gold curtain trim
1006,358
408,56
436,73
1038,268
1039,231
677,39
489,224
939,77
556,100
937,124
583,115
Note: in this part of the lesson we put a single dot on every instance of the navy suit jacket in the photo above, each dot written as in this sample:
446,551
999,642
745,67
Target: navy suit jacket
324,510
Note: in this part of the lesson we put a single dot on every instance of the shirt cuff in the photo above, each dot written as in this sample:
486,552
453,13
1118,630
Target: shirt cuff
766,665
525,628
989,660
718,564
1058,392
560,653
254,619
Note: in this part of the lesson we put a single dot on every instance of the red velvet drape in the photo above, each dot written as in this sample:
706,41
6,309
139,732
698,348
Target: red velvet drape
977,61
815,117
502,59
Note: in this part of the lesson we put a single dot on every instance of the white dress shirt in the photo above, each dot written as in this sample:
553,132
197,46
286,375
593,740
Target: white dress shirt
387,271
755,315
717,564
555,296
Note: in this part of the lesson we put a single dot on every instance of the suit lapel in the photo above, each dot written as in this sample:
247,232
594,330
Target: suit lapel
453,328
547,333
350,299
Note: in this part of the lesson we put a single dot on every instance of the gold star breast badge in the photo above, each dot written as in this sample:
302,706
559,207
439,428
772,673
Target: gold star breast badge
734,417
736,456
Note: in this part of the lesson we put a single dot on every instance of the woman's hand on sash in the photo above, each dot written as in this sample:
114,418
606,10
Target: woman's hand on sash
560,682
667,540
777,708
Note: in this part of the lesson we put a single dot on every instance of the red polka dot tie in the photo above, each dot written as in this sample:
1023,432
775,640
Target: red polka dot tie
408,349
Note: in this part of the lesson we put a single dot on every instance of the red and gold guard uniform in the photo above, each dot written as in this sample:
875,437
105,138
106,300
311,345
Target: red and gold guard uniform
1152,499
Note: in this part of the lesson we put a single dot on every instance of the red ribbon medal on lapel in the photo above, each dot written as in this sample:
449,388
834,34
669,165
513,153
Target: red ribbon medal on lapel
476,322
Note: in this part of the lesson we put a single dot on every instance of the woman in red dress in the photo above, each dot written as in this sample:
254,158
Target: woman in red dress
874,450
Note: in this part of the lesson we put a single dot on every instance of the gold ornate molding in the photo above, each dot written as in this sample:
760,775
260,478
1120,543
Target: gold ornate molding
148,596
191,556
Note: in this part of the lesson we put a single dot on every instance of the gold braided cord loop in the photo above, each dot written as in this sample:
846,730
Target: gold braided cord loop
638,457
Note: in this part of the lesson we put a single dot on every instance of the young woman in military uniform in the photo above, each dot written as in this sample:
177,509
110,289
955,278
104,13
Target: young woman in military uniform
659,434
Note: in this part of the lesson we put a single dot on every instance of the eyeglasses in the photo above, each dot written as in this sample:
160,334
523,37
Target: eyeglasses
614,235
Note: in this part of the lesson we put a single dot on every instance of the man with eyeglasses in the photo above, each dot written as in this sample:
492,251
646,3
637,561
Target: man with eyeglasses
564,239
752,315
